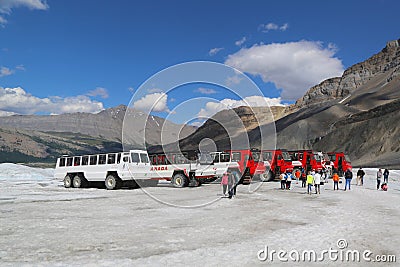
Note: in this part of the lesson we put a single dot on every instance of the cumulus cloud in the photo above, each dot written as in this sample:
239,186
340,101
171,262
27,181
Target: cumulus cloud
212,108
99,91
293,67
214,51
241,41
206,91
6,7
4,71
273,27
18,101
153,102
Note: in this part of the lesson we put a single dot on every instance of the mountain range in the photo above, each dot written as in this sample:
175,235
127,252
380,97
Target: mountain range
356,113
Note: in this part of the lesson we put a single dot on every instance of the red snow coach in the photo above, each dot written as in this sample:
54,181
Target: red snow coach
247,166
309,159
279,161
341,162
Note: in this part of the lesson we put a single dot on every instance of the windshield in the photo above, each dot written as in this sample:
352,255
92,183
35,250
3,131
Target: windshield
225,157
332,157
318,157
347,158
256,156
267,156
286,156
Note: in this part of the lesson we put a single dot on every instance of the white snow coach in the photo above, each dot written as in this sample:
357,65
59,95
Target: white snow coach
114,169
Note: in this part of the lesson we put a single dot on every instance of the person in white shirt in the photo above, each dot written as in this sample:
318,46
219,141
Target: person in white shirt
317,182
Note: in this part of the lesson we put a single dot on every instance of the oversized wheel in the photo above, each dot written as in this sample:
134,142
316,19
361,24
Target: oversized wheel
112,182
179,180
67,181
78,181
270,176
264,177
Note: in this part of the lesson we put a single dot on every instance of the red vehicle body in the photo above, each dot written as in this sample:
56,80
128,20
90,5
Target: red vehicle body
247,165
279,161
309,159
341,162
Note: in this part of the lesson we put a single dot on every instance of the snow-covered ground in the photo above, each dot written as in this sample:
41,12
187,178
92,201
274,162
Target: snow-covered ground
42,223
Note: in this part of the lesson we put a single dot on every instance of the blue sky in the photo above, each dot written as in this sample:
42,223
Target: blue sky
68,56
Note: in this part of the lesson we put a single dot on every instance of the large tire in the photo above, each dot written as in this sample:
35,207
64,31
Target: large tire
78,181
179,180
112,182
270,176
67,181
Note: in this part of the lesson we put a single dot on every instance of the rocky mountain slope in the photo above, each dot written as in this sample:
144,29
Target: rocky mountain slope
356,113
42,138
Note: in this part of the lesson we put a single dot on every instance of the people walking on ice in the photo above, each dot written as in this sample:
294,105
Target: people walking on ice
348,175
224,183
317,182
360,176
378,178
386,176
283,180
288,178
335,179
231,185
310,181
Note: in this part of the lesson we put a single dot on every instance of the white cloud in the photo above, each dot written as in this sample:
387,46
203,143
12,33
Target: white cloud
20,67
231,80
18,101
273,27
154,90
293,67
4,71
212,108
99,91
206,91
214,51
6,7
241,41
152,102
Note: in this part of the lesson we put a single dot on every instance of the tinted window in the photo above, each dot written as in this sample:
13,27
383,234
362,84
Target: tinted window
85,160
69,161
111,159
77,161
225,157
215,157
144,158
102,159
135,157
236,156
93,160
62,162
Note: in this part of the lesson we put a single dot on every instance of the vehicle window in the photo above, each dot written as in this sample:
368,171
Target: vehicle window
332,157
77,161
144,158
126,159
215,157
93,160
267,156
286,156
236,156
85,160
205,158
256,156
102,159
279,157
62,162
225,157
118,158
69,161
111,159
135,157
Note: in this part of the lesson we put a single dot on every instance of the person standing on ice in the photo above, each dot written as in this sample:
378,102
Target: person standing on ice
386,176
378,178
335,179
283,180
348,175
310,181
288,178
303,179
317,183
360,176
224,183
232,185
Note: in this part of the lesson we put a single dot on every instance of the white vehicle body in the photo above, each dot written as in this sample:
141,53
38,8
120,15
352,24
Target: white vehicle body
222,162
128,165
297,164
